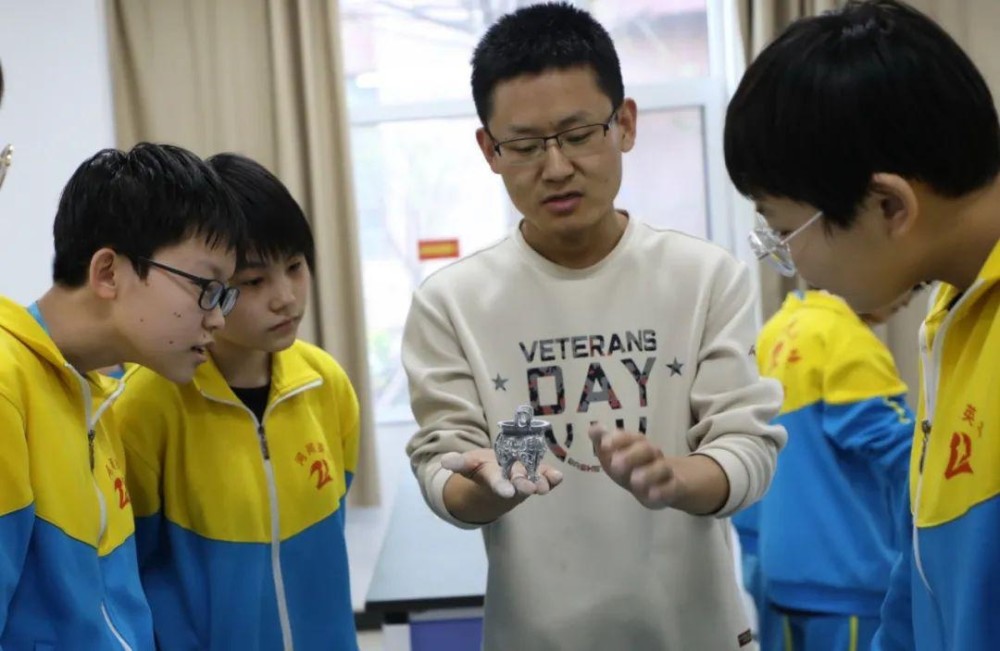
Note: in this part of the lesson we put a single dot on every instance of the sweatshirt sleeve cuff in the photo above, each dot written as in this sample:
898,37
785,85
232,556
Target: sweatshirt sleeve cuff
736,474
437,477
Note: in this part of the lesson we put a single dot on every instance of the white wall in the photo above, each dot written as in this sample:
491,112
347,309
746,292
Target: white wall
56,111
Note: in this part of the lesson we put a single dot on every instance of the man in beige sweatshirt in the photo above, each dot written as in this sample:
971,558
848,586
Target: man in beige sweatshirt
634,343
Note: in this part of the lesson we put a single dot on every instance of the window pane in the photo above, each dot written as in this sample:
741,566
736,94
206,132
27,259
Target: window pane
664,178
407,51
415,180
656,40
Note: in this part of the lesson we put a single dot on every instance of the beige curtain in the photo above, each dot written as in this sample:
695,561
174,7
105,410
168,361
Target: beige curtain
975,24
263,78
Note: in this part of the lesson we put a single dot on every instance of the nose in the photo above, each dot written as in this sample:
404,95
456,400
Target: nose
284,295
214,319
556,166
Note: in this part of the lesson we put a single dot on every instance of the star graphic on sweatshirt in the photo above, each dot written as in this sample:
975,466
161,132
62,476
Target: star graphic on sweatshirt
499,383
753,351
675,367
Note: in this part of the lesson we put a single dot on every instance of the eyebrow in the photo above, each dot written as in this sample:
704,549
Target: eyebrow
759,208
564,123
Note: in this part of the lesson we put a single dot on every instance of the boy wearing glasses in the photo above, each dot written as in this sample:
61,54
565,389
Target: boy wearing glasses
635,344
239,477
144,242
889,130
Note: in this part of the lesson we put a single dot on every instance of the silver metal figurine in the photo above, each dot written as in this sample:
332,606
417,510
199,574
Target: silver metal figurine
521,439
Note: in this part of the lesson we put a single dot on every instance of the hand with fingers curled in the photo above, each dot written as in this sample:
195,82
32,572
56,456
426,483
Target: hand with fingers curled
638,466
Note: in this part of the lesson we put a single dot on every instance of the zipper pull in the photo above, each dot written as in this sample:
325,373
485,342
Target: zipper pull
263,442
925,427
90,446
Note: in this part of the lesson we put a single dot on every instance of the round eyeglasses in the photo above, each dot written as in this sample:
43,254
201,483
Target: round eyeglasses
768,245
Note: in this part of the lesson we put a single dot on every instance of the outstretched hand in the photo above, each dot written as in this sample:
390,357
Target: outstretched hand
481,467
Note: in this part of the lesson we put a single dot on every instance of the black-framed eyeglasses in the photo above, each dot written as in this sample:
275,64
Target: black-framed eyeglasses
6,158
214,293
578,141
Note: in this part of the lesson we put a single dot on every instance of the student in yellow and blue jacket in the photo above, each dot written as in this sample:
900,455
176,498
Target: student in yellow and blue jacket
239,478
871,145
127,224
827,528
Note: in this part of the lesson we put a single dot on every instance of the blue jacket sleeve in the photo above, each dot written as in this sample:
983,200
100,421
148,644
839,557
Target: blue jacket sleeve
896,630
17,513
865,408
880,429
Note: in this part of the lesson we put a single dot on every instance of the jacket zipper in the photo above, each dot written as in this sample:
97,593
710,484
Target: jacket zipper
272,498
932,376
91,420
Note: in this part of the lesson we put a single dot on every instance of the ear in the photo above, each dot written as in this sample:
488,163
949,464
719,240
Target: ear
626,118
486,146
897,203
103,277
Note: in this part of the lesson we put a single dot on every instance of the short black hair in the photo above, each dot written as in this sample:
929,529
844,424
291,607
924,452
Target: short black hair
532,40
138,202
276,226
873,87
